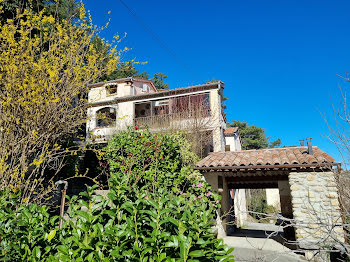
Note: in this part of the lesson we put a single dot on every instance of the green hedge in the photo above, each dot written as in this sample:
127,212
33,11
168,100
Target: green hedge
157,209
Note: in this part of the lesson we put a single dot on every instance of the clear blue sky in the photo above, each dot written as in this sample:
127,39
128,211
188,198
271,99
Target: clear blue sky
278,59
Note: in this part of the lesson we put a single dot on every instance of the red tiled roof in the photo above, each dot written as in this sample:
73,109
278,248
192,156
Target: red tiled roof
230,130
266,158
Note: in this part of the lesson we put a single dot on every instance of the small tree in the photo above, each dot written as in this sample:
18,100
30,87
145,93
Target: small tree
339,135
158,80
46,64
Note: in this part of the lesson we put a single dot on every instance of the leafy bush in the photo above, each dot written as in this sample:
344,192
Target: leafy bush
24,230
257,204
152,161
156,227
153,212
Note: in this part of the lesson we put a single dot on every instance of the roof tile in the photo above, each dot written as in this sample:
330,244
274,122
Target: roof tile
230,130
273,157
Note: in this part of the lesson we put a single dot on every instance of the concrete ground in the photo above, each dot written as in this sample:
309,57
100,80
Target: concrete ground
256,242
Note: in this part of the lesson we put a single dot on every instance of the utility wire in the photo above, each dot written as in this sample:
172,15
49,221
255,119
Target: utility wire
155,37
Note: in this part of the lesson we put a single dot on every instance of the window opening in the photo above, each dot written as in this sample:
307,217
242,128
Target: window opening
106,117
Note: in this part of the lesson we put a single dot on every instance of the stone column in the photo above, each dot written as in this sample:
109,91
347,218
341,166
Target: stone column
286,207
316,210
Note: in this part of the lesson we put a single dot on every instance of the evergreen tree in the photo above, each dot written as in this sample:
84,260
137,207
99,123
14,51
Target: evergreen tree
253,137
63,9
128,69
158,81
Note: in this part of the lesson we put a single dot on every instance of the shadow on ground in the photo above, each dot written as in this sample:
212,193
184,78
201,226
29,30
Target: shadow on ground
261,242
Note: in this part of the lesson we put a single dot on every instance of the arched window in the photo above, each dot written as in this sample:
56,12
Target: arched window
106,117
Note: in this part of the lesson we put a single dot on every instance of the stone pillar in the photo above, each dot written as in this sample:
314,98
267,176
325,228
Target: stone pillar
316,210
240,207
286,207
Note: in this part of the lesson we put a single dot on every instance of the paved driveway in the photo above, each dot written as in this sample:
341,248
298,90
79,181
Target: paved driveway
252,245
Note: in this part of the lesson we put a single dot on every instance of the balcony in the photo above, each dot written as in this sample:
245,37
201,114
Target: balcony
175,120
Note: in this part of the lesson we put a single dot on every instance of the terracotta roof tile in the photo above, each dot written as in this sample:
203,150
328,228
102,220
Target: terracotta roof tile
230,130
273,157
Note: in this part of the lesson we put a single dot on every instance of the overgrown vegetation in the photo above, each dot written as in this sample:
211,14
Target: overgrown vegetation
157,209
257,204
46,64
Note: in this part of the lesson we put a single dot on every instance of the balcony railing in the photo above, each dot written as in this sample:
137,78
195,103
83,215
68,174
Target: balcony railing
165,120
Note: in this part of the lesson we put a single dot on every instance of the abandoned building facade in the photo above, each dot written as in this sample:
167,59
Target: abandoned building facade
115,105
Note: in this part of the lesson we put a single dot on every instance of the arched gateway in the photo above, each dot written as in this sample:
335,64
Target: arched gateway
305,177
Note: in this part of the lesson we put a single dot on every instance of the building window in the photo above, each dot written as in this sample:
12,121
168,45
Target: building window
145,88
111,89
227,148
106,117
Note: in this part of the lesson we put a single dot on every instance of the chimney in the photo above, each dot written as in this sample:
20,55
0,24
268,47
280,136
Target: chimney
301,142
309,146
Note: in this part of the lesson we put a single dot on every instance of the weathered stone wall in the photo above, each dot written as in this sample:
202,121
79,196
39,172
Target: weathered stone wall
316,210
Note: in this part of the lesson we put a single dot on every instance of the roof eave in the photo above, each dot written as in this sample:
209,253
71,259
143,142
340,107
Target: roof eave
267,167
127,79
163,94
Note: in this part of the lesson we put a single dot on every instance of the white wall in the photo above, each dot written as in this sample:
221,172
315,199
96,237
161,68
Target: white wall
234,141
138,88
124,118
240,207
126,111
273,197
217,119
230,141
99,94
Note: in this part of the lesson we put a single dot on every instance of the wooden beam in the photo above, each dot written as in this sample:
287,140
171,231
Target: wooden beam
241,179
252,185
